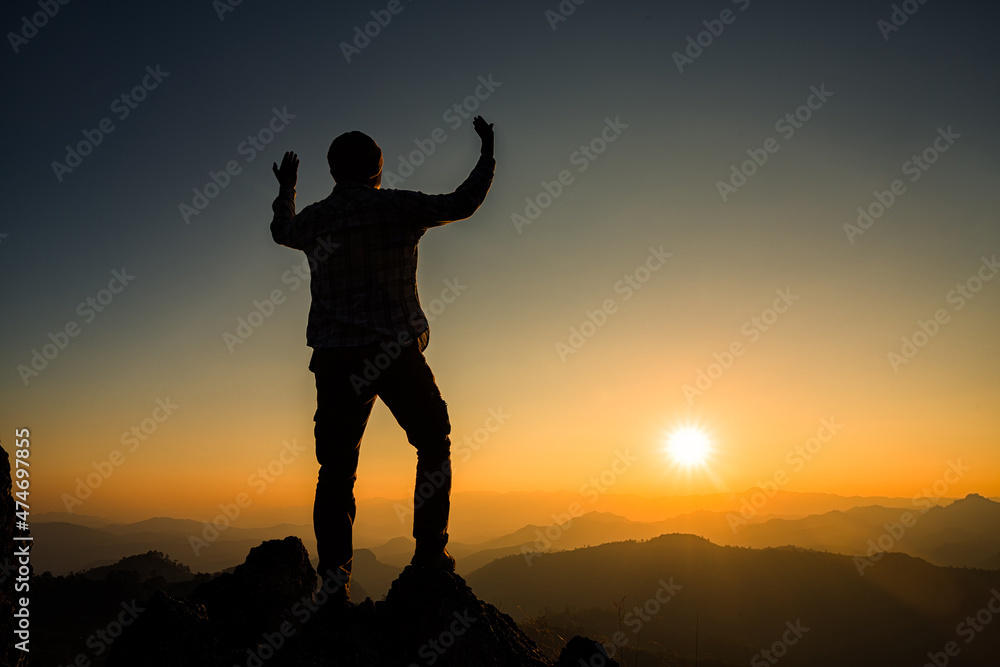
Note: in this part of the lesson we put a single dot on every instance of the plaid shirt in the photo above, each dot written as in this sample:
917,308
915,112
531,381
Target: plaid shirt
361,244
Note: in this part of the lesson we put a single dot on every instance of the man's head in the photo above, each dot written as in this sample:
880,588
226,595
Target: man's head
354,157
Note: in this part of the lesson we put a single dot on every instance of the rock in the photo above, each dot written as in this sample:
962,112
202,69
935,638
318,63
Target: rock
268,612
166,633
433,617
260,594
584,651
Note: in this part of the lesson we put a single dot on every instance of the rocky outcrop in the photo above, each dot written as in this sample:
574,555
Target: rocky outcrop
267,612
167,633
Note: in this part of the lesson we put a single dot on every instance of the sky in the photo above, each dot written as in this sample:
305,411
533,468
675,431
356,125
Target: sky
772,223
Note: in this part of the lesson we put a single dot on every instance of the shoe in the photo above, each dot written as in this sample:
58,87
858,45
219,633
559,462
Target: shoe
434,560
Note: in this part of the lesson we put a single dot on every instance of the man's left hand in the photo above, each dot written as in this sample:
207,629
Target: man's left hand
287,173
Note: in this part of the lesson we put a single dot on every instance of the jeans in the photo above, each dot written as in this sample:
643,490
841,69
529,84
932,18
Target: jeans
348,380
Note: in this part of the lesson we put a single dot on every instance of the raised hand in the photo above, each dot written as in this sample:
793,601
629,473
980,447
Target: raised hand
485,132
287,173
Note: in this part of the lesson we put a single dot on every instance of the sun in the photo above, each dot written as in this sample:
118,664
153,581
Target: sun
689,446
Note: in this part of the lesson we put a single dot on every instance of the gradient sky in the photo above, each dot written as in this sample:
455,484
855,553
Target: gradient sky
522,287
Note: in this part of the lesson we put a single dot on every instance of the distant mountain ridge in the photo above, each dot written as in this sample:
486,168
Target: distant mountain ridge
964,533
478,516
150,565
745,600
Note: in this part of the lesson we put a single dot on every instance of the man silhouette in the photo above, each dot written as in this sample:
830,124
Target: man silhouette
368,335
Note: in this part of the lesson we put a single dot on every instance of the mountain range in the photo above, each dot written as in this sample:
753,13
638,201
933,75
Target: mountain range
965,533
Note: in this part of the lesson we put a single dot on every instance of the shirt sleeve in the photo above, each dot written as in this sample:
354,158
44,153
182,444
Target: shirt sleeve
286,230
433,210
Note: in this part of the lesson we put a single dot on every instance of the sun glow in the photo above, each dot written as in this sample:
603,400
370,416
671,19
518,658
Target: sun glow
689,447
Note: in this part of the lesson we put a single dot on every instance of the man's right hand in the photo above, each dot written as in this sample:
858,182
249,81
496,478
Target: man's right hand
485,132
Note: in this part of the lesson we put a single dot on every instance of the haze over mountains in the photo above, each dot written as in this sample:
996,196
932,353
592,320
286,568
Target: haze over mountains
964,533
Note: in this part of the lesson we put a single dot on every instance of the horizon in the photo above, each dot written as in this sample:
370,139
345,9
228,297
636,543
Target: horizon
252,518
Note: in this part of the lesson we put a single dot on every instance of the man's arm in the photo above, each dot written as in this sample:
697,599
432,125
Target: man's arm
433,210
282,224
